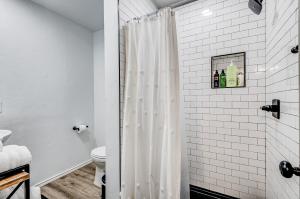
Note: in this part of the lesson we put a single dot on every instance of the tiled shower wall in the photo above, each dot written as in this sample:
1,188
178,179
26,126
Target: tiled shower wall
282,83
129,9
225,128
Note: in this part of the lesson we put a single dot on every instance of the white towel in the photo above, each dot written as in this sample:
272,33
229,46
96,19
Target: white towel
13,156
1,145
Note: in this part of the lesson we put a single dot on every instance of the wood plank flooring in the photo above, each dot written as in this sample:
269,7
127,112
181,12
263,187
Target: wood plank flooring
76,185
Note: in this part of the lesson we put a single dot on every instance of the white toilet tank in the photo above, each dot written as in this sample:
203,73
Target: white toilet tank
99,153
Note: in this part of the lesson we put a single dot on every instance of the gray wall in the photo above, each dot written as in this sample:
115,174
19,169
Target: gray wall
46,85
99,88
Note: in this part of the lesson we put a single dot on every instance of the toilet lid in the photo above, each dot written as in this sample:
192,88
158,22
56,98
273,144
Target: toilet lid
99,152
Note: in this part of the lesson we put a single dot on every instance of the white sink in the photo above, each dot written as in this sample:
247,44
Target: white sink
4,135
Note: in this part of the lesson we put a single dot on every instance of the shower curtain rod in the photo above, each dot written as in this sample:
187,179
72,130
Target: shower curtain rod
173,6
181,3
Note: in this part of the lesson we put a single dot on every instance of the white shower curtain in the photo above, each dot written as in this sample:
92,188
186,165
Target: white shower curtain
151,148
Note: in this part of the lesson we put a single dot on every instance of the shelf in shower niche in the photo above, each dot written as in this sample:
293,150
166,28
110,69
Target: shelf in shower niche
228,71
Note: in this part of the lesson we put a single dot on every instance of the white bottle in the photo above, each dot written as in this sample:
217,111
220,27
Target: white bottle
240,79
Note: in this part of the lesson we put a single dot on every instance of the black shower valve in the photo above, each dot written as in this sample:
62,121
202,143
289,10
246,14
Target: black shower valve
269,108
295,50
274,108
287,170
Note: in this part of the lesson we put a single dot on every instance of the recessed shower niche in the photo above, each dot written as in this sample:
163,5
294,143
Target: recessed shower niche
228,71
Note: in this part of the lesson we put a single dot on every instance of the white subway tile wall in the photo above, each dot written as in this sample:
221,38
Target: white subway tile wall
225,127
129,9
282,75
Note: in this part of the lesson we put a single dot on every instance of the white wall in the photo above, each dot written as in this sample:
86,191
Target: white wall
46,85
111,38
225,128
99,88
282,73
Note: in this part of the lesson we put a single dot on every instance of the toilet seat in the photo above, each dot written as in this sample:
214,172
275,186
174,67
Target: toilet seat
99,153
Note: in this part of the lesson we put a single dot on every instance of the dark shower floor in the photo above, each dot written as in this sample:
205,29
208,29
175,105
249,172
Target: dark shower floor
200,193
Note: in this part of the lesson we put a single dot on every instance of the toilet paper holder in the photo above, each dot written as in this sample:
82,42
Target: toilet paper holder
80,128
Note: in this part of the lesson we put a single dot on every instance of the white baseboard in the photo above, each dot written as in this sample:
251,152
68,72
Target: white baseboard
61,174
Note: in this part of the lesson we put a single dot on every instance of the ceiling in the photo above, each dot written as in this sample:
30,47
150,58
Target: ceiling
88,13
164,3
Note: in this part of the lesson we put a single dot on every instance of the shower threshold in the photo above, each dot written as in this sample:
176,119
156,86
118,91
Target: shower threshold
200,193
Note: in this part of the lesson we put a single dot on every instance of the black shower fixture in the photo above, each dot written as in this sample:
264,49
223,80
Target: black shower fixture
295,50
255,6
287,170
274,108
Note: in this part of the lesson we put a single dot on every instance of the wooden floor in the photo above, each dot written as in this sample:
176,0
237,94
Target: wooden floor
76,185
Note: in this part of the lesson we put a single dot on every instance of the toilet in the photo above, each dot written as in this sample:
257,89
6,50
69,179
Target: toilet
98,156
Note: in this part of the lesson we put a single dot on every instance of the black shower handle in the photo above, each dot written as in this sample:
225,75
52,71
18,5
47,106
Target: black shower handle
287,170
274,108
269,108
295,50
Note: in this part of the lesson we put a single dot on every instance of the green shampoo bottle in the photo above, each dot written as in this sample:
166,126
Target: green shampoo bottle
223,79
